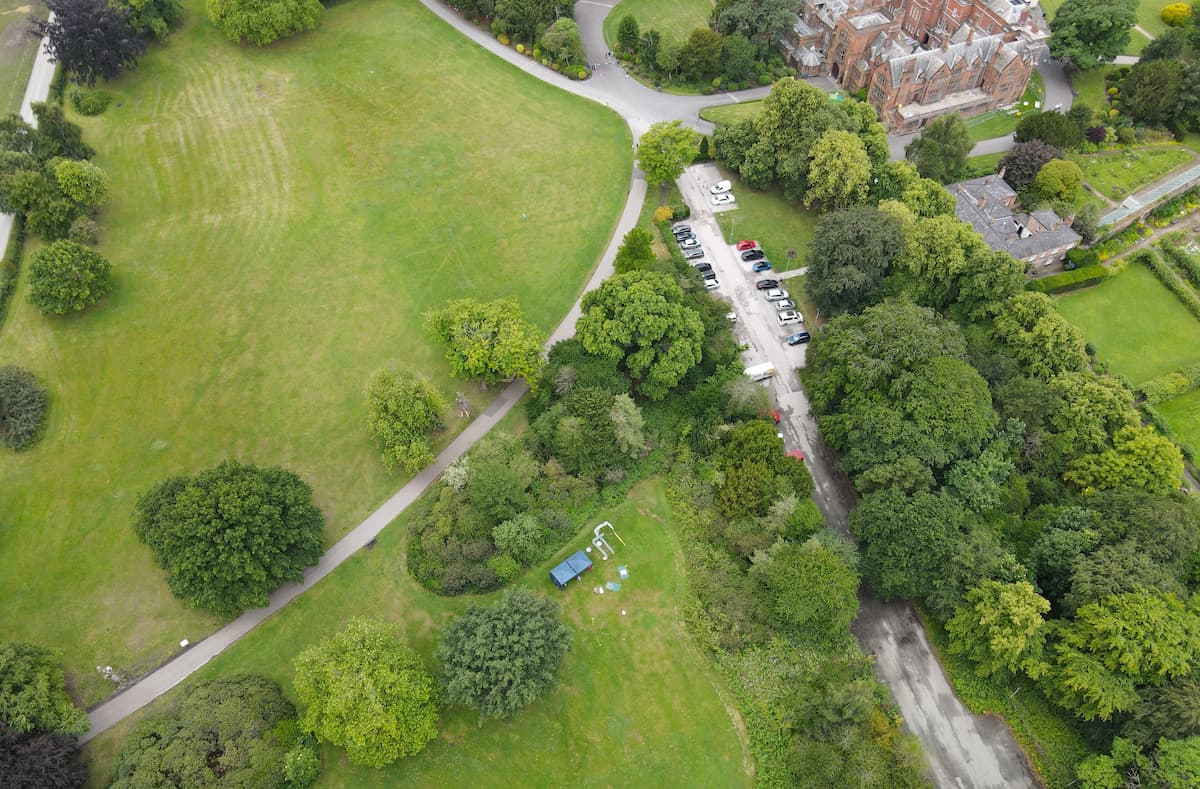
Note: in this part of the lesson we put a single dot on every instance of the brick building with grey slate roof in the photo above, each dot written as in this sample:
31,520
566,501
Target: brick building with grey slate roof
918,59
989,204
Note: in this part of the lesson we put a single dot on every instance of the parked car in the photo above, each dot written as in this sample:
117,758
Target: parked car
712,284
799,338
766,284
723,199
710,274
761,265
689,243
720,187
742,246
776,294
788,317
704,267
731,317
786,304
682,236
753,254
681,228
692,254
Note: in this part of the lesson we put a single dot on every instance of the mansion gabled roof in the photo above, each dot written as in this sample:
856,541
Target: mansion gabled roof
929,61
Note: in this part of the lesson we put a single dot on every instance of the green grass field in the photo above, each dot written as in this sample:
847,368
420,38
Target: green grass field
1137,42
732,113
1090,87
1135,324
675,18
986,164
637,703
998,123
1150,15
1183,414
1123,172
776,223
281,219
18,47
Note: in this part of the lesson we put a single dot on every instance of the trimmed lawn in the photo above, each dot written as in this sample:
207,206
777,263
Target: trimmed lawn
732,113
1123,172
776,223
1183,415
1090,87
1149,16
637,698
676,18
988,163
281,219
999,123
1135,324
1137,42
18,48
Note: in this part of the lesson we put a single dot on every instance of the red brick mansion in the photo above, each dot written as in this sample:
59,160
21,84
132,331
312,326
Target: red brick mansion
918,59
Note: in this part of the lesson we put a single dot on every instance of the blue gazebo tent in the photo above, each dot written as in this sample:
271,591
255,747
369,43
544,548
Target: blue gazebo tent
571,568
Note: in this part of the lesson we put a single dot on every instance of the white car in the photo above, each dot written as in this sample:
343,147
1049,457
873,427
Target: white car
712,284
731,317
720,187
786,304
776,294
689,243
788,317
723,199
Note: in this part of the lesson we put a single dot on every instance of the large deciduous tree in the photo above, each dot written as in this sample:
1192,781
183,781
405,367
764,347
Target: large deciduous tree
402,410
230,535
850,253
1139,458
1058,179
814,593
941,151
261,22
67,277
839,172
32,696
236,730
499,658
759,20
639,320
22,407
1041,340
700,55
1026,159
367,691
489,340
1091,32
1000,627
635,252
562,42
92,39
628,34
664,150
82,181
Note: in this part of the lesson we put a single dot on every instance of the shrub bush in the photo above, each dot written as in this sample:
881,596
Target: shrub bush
1164,387
91,102
664,213
262,22
520,49
1083,257
84,230
22,408
503,39
67,277
1082,277
1186,263
681,211
1176,14
765,79
1116,244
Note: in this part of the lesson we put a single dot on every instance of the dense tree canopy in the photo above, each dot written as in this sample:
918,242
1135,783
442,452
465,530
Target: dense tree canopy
67,277
499,658
561,42
635,251
1040,339
814,592
45,760
22,407
236,730
92,39
1139,458
640,321
1058,179
82,181
261,22
758,20
402,410
839,172
1001,629
941,151
1091,32
850,253
32,696
488,340
1150,93
665,149
230,535
367,691
1052,128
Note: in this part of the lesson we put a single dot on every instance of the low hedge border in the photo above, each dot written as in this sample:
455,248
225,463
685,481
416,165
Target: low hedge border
1173,384
1070,280
1170,279
10,269
1181,260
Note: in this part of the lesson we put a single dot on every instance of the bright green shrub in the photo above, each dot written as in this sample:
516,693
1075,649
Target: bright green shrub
261,22
504,566
22,408
1070,280
1177,14
92,102
67,277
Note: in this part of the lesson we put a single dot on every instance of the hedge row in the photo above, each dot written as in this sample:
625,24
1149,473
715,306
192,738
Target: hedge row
1170,279
1070,280
1182,260
10,269
1174,384
1152,416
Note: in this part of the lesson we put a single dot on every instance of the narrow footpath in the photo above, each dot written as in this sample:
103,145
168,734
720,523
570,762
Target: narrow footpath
965,751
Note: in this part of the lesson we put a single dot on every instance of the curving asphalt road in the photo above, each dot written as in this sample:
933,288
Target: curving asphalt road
964,750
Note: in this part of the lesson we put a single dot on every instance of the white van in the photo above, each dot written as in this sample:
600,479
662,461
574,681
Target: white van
760,372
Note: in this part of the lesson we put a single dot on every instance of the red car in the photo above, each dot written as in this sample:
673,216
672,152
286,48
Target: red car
744,245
